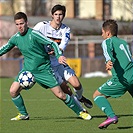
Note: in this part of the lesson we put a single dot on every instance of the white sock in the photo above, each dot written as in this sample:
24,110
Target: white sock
78,93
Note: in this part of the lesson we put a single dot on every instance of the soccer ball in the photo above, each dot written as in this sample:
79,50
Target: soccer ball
26,79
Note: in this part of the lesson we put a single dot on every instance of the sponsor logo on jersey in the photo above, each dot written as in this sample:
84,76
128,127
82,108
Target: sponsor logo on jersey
57,40
68,35
49,33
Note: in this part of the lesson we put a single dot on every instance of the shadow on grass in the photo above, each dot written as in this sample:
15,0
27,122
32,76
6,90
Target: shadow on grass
55,118
70,118
125,127
73,119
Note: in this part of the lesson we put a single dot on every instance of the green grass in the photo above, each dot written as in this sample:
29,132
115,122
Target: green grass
49,115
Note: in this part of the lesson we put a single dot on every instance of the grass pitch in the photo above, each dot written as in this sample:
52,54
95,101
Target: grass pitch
49,115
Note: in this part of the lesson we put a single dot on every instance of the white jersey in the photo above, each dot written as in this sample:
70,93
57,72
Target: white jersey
61,36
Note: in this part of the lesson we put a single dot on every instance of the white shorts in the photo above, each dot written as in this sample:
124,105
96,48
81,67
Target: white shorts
63,73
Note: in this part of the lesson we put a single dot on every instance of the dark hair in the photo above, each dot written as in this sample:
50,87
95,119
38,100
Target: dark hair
111,25
58,7
20,15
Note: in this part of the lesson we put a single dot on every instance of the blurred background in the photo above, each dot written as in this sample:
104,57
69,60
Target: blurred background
84,17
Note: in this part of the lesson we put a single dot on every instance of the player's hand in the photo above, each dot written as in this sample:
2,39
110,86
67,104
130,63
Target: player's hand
62,60
109,65
51,52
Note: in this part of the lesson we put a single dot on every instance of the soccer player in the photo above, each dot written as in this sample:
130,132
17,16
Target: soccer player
36,60
60,33
119,61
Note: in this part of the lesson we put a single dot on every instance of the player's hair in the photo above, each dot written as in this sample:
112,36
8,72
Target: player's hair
58,7
111,25
20,15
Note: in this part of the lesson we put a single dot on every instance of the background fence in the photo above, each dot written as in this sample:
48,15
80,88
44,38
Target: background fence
86,48
90,46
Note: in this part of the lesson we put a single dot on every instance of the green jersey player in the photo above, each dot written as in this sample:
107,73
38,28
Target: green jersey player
119,61
60,33
31,44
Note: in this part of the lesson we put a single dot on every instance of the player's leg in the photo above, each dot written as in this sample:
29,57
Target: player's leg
69,75
112,88
66,89
102,102
48,80
63,84
57,70
70,102
18,101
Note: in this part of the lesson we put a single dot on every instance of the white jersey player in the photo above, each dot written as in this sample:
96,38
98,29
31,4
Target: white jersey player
61,36
60,33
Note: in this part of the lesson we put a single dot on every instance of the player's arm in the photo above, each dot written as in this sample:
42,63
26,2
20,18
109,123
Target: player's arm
40,27
107,51
40,38
65,39
7,47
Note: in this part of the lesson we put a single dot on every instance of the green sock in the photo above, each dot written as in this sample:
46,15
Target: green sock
19,103
104,105
70,102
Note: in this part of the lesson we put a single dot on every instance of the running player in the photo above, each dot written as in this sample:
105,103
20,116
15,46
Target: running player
60,33
36,60
119,61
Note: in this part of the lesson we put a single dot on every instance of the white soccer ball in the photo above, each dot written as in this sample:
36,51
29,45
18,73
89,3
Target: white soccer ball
26,79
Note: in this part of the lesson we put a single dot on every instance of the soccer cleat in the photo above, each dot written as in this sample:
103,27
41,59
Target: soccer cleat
108,121
86,102
20,117
84,115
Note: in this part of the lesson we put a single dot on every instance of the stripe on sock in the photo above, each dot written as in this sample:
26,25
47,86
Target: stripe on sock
14,98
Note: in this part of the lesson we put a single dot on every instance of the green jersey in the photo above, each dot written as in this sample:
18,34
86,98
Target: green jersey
117,51
31,45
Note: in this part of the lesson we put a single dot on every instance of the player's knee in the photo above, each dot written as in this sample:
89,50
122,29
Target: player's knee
73,80
13,93
15,89
94,95
58,92
76,84
61,96
97,93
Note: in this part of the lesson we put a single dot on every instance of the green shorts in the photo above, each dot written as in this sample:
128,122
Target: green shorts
45,78
114,88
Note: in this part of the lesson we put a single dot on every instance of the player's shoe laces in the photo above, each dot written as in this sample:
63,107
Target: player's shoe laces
108,121
84,115
86,102
20,117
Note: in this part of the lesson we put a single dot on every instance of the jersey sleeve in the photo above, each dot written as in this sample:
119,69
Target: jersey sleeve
7,47
65,39
108,50
41,39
